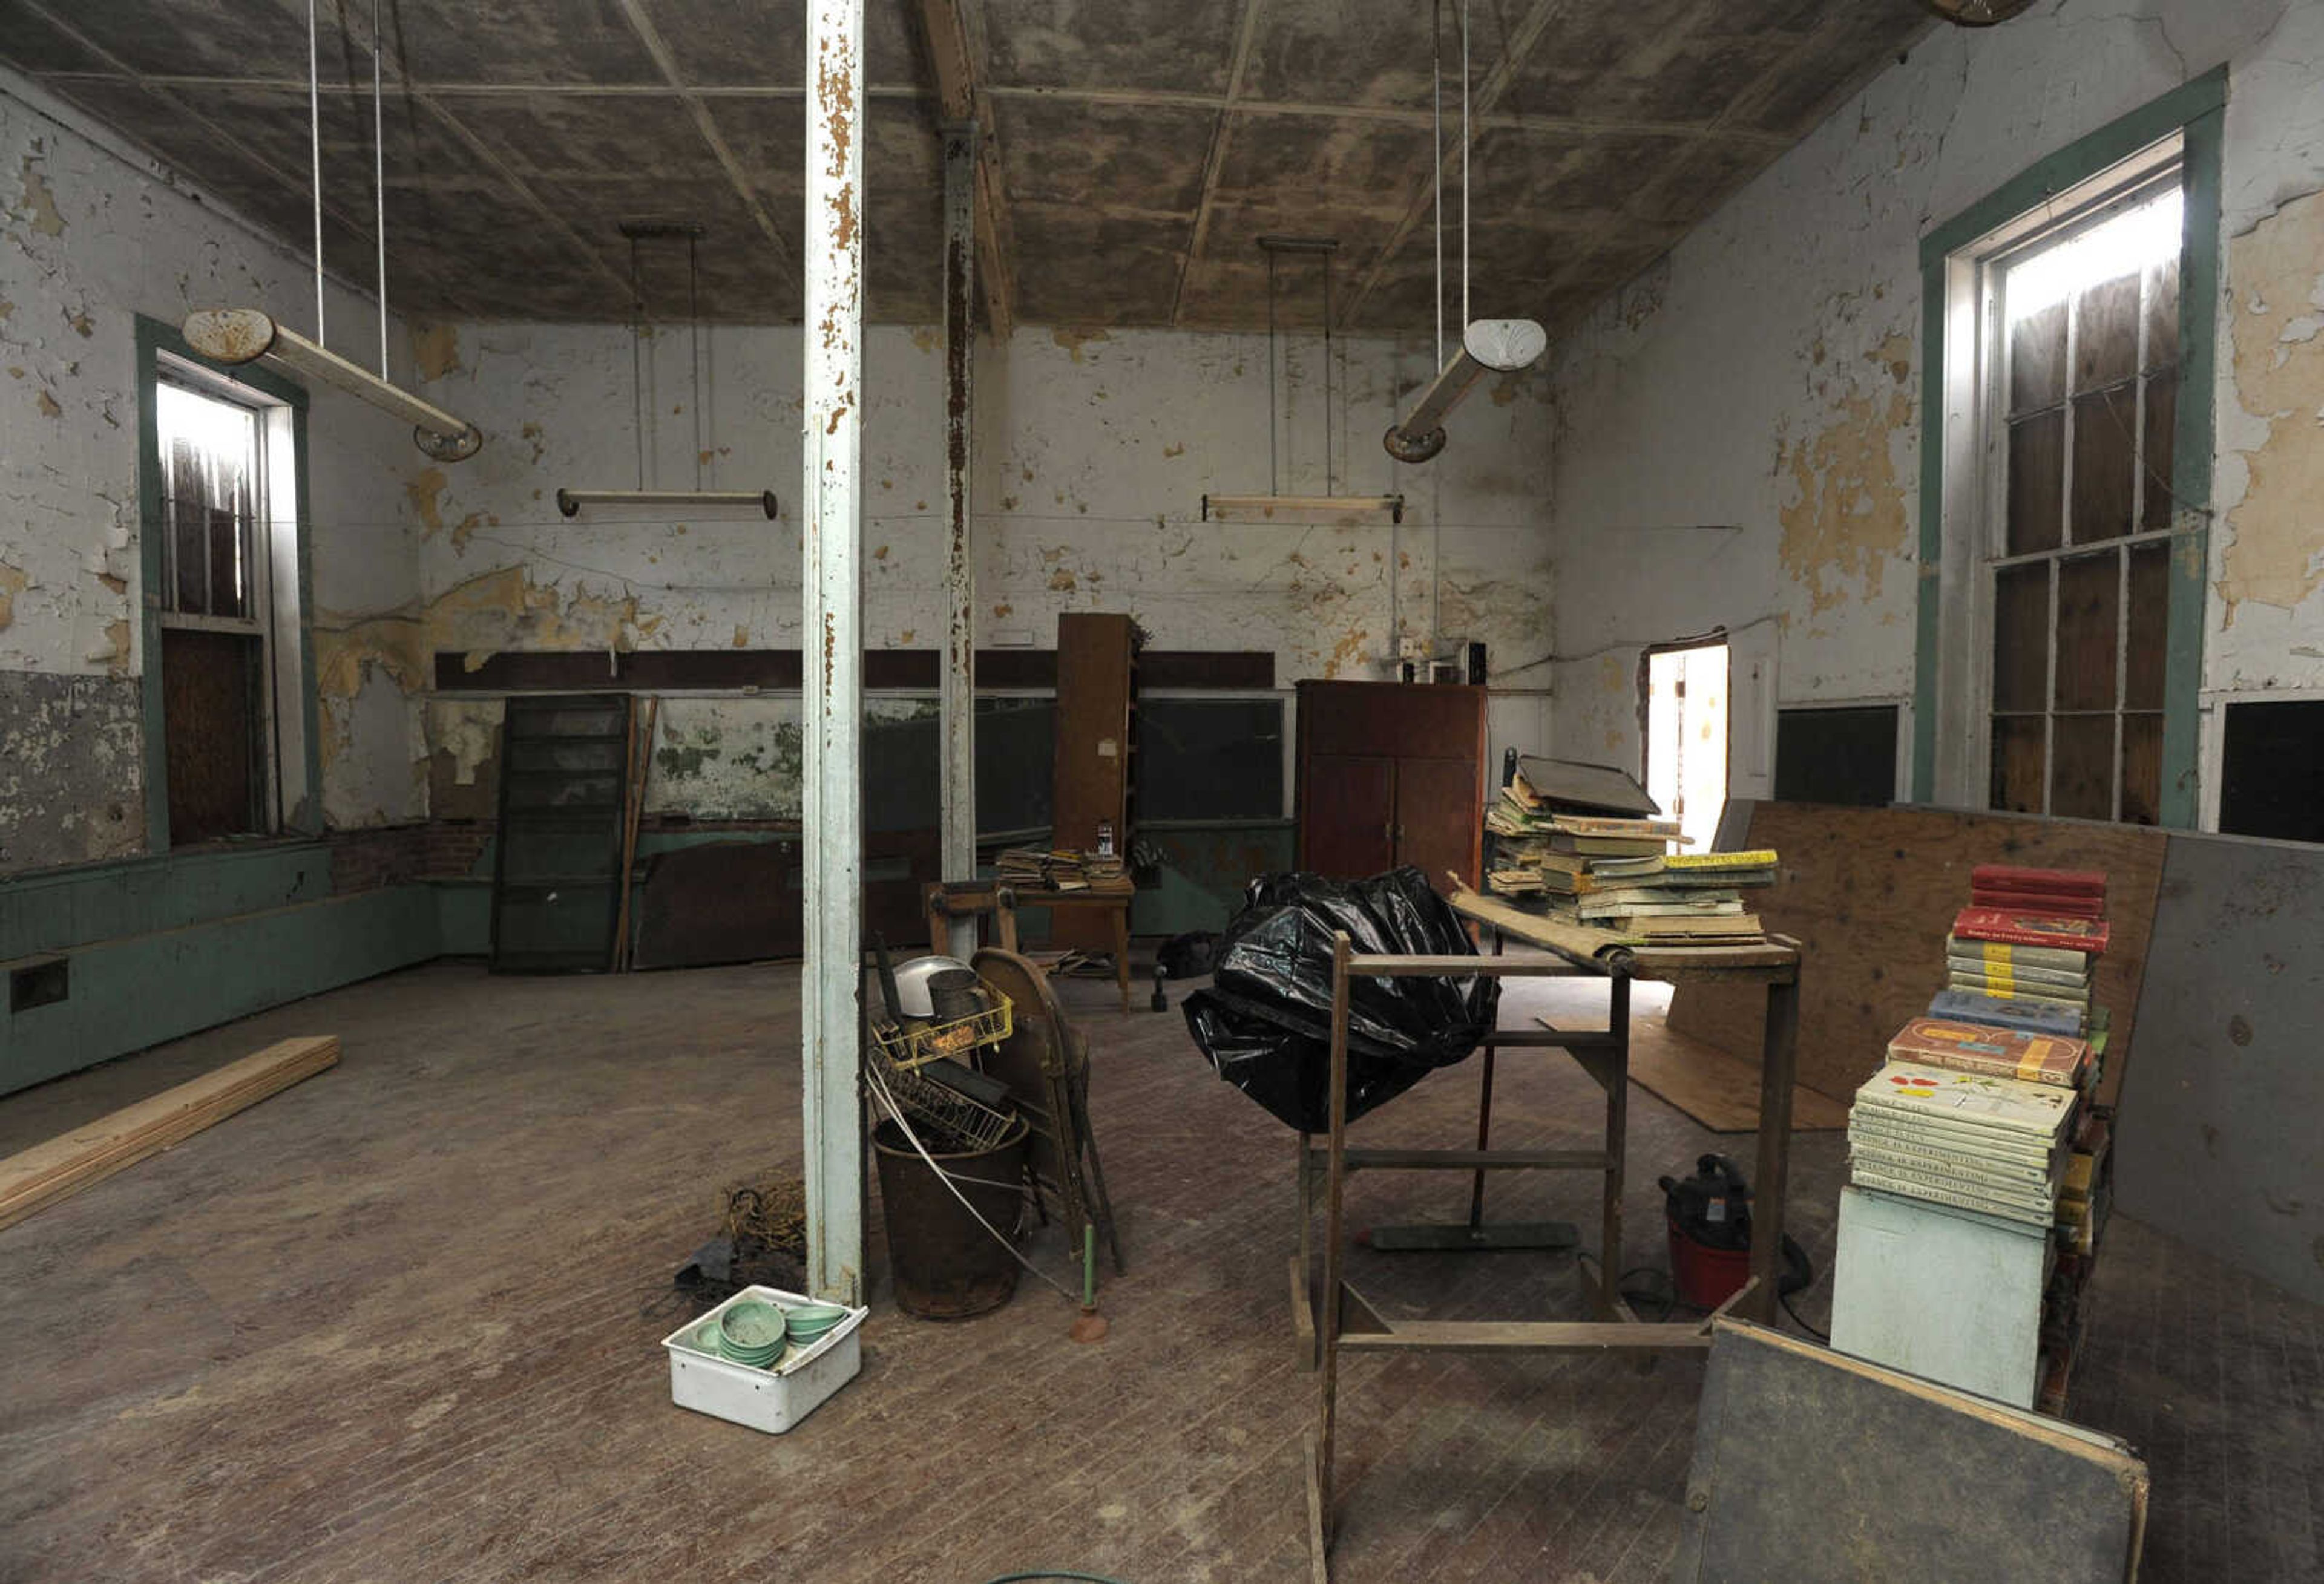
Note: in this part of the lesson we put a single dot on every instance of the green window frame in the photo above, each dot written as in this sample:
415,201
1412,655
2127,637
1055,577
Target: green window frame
154,340
1943,712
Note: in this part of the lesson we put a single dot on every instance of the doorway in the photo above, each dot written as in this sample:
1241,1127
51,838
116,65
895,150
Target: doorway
1685,707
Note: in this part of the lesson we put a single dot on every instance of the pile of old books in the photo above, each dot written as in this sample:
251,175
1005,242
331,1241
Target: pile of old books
1062,869
1989,1104
2022,953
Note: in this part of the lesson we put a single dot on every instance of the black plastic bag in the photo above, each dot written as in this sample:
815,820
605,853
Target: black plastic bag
1266,1021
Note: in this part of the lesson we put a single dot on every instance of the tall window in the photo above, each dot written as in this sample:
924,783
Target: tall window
215,618
2082,381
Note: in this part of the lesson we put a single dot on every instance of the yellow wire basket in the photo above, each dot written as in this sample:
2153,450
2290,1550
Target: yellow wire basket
906,1048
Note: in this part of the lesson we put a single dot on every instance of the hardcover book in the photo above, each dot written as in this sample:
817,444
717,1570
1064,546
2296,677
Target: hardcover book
2007,954
1983,1145
2033,1197
2055,994
2027,1016
2007,1106
2037,902
1756,858
2011,877
2031,972
1909,1188
1996,1053
2020,929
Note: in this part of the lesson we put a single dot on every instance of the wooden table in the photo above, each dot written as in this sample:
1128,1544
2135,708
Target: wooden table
948,900
1350,1322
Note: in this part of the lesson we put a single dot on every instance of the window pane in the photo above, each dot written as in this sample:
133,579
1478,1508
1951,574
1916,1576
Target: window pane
2021,638
226,560
2142,769
2162,314
189,541
2037,359
2106,463
2161,433
2036,482
2105,332
2017,764
2149,624
2088,596
2082,781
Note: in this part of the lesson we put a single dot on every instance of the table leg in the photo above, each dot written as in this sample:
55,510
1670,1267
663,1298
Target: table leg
1005,915
1778,1070
1121,951
1484,1125
1617,1126
939,937
1327,1389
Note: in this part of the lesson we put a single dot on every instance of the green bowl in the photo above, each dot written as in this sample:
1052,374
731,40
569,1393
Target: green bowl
809,1323
751,1327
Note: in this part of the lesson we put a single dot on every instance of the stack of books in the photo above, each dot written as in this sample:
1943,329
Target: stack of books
1690,896
1972,1116
2071,893
2021,969
1062,869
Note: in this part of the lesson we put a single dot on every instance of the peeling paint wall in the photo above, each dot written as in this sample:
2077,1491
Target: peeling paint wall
91,236
1763,381
1094,452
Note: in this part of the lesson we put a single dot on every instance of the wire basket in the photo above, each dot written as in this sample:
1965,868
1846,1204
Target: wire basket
907,1049
926,1104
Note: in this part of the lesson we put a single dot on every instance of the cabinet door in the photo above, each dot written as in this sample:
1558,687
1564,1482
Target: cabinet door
1436,812
1347,811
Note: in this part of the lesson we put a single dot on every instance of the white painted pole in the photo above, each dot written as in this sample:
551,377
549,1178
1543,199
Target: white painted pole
831,504
959,817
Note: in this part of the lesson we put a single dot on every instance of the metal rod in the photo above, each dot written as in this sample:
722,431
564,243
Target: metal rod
1330,484
693,345
958,700
1274,477
570,502
379,181
315,152
830,1024
1464,166
637,361
1437,70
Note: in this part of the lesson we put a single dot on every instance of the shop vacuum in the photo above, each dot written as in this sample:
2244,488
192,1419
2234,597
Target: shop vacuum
1709,1219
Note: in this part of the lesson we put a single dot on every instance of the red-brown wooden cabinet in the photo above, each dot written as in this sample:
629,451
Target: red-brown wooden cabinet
1392,773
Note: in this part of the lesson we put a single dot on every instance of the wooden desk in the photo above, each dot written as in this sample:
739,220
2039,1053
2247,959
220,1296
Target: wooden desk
1348,1321
971,898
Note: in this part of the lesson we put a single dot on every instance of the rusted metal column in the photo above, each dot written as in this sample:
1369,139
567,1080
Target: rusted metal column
960,573
830,1021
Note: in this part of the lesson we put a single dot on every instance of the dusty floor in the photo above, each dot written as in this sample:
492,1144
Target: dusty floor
400,1323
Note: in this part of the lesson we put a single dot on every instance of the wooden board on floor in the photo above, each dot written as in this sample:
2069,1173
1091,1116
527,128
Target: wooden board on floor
67,1163
1719,1090
1869,893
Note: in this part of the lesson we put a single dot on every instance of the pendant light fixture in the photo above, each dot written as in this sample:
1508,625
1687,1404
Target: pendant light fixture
1500,345
571,500
235,336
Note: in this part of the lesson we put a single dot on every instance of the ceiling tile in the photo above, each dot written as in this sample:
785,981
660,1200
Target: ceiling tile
588,135
1326,52
1125,156
719,43
32,45
518,42
1182,46
194,38
769,137
1075,267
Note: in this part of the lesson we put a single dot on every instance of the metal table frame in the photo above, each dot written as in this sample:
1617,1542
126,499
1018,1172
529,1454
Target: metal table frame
1349,1322
948,900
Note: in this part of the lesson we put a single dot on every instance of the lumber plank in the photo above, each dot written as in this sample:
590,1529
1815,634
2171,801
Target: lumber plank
63,1166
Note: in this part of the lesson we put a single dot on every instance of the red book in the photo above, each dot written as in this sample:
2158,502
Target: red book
2038,902
2029,929
2010,876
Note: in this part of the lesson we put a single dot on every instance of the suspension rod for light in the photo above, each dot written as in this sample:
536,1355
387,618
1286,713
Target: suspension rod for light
248,335
570,502
1497,346
1346,509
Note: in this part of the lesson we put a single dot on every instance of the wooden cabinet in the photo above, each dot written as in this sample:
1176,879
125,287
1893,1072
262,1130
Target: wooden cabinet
1097,688
1391,773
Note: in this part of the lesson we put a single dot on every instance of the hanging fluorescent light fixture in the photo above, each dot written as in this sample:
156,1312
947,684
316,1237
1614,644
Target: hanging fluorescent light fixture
1500,345
1494,346
570,502
235,336
1349,511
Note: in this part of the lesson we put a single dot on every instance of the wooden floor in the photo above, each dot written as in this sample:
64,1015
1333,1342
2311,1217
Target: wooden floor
400,1323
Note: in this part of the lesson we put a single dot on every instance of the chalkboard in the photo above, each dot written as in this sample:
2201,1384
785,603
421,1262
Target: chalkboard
1209,759
1845,755
903,768
2272,770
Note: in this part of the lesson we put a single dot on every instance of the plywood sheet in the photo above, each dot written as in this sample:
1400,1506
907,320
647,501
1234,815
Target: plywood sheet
1811,1467
1869,893
2218,1142
1716,1090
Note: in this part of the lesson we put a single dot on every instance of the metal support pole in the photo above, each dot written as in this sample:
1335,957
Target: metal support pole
831,506
959,803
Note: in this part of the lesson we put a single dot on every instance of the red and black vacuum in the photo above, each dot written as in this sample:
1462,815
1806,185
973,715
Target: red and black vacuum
1708,1216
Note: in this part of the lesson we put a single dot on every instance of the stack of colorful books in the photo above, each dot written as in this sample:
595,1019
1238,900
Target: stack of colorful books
2024,970
1970,1115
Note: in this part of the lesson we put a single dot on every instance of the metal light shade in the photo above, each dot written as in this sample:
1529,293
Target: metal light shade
570,502
1498,346
248,335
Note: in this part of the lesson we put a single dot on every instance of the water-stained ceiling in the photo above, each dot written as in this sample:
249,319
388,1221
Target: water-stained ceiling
1141,146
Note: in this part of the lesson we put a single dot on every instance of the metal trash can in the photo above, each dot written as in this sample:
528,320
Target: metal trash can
945,1266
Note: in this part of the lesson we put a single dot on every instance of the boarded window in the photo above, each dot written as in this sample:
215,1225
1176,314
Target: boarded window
1845,755
2272,770
2079,589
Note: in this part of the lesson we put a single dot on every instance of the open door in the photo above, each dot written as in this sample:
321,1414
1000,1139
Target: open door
1751,711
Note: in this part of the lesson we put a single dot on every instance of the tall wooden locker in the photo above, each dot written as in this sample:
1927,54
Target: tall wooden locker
1392,773
1097,688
